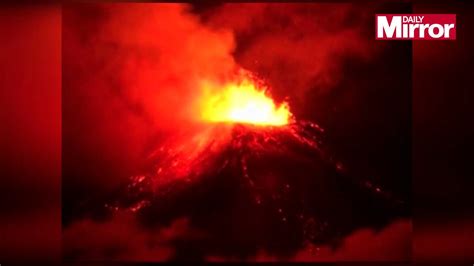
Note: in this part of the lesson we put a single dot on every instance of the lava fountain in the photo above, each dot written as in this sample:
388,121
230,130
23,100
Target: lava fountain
243,101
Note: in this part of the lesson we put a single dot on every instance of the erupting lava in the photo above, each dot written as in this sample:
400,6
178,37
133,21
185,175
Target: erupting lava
245,101
241,121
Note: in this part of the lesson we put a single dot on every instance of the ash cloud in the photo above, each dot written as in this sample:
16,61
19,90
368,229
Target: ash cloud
123,238
392,243
152,56
131,74
297,48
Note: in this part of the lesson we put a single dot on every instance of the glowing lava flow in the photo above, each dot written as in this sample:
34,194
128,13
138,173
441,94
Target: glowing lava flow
245,101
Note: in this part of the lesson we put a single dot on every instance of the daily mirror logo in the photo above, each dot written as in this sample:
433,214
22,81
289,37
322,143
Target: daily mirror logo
415,26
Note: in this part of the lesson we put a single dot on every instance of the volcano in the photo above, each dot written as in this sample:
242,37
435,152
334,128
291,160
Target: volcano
254,188
250,177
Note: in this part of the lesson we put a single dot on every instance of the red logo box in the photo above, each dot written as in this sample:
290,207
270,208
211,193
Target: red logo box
415,26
